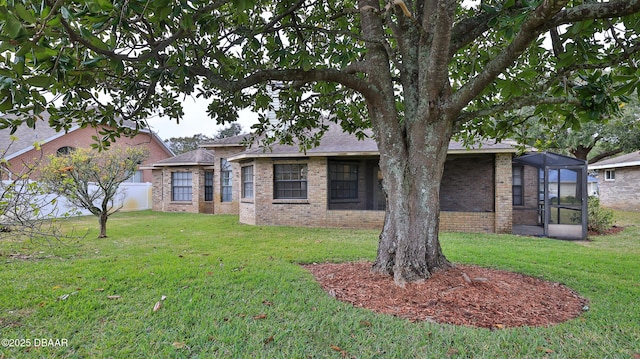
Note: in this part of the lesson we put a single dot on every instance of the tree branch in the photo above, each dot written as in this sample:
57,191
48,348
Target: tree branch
556,43
153,51
279,17
436,74
604,155
595,10
514,104
529,30
154,48
468,30
297,75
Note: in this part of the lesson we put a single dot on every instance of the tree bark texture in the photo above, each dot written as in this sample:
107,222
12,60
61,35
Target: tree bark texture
413,145
409,247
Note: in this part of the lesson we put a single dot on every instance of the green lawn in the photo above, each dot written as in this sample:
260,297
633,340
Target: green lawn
236,291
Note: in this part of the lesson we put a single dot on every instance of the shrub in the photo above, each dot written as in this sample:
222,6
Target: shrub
600,218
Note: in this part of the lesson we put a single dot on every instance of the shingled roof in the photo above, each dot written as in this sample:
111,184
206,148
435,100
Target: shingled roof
628,160
336,142
25,136
233,141
197,157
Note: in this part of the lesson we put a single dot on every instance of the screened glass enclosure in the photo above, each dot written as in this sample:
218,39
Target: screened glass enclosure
562,194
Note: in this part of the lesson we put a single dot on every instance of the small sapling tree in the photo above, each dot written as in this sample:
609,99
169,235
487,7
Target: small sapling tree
90,179
26,209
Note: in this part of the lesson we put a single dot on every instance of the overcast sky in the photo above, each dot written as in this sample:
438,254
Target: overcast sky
195,121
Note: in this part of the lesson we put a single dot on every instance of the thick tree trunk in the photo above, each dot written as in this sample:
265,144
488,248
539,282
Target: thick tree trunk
409,247
581,152
413,140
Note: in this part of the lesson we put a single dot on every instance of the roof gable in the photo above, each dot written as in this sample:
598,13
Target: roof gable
26,137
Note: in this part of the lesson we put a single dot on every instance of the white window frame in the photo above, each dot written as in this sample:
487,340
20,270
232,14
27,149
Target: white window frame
247,181
181,186
610,175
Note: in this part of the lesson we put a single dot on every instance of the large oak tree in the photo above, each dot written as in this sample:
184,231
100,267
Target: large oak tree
415,71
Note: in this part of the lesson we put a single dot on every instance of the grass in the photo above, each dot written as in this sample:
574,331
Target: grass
236,291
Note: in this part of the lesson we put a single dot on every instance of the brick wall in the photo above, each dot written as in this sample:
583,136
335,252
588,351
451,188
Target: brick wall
161,192
467,184
624,192
313,212
246,207
162,187
308,212
527,214
503,193
468,222
232,207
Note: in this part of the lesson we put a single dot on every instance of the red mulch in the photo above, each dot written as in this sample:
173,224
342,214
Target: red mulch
464,295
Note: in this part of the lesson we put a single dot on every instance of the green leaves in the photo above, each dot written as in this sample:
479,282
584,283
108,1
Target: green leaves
12,26
26,15
627,80
39,81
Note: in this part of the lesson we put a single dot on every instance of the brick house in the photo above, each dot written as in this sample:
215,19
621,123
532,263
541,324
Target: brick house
186,182
19,149
619,181
338,184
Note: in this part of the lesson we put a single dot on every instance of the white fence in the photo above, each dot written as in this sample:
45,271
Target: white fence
131,197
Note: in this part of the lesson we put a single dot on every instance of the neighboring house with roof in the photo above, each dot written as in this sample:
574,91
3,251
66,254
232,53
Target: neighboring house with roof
337,184
619,181
23,149
186,182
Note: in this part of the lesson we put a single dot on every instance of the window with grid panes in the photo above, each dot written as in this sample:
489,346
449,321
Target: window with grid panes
247,181
290,181
181,186
609,175
518,185
343,177
226,189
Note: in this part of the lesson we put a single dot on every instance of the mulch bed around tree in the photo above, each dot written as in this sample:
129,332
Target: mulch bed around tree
464,295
